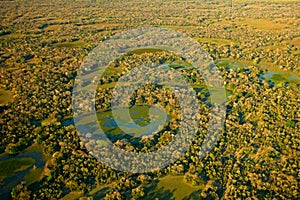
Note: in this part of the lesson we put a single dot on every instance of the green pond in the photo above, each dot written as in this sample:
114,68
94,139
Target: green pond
282,77
278,77
231,64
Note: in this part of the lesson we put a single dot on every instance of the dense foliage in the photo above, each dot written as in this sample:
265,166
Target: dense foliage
257,156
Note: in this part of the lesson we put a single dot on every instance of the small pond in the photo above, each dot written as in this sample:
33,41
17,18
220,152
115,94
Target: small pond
275,76
143,120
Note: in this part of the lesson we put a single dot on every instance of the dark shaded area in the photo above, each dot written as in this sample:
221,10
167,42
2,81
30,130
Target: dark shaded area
100,194
151,192
193,196
14,180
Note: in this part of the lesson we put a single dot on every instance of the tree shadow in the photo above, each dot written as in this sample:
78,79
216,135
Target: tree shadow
153,192
100,194
193,196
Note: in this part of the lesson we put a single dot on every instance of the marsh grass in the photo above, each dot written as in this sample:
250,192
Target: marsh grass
9,167
77,44
33,175
175,187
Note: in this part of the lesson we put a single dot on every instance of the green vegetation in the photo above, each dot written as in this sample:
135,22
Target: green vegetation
72,196
33,176
291,124
263,24
142,51
218,41
9,167
177,185
76,44
139,114
5,97
255,45
282,77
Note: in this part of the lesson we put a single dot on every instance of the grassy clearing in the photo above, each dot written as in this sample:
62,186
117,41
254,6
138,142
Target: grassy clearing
246,63
54,27
275,47
281,77
33,175
98,192
177,186
77,44
234,63
262,24
5,96
72,196
9,167
296,52
46,122
218,41
251,1
13,35
107,85
295,41
102,26
145,50
139,114
218,95
176,28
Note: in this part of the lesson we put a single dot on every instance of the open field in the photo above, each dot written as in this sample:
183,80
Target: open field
9,167
295,41
262,24
33,176
218,41
177,186
141,51
77,44
72,196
